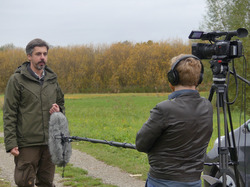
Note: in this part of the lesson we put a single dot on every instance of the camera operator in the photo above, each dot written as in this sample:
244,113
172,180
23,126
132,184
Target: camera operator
177,133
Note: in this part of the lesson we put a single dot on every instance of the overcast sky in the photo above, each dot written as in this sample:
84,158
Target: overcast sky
77,22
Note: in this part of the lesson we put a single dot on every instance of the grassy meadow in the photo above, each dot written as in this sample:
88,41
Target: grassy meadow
115,117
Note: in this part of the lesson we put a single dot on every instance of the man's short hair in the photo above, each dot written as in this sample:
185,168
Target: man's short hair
34,43
189,70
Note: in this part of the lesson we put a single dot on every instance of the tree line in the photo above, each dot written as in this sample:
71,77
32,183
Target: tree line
119,67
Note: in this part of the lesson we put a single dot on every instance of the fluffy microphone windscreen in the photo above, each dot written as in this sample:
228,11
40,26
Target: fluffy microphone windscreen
60,149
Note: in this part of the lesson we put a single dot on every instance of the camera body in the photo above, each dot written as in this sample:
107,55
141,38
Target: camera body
221,52
218,49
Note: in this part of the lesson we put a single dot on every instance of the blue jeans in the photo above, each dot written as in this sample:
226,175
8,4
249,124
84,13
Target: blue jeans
153,182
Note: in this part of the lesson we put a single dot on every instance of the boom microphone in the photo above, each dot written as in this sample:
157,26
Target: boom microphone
111,143
59,146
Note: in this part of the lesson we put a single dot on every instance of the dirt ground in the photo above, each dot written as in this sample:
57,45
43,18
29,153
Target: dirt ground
95,168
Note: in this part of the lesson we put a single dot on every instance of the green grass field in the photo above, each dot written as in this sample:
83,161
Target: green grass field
115,117
111,117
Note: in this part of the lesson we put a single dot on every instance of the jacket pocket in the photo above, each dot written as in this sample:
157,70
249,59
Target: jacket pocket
24,174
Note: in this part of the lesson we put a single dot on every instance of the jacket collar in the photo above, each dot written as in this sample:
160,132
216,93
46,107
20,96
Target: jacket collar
180,92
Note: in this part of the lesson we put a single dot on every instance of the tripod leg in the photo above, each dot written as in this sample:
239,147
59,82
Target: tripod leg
222,150
233,150
225,151
212,89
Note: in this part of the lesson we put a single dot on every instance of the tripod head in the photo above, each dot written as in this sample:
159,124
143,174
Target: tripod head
219,69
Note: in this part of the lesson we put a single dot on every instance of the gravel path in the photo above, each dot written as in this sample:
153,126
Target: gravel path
95,168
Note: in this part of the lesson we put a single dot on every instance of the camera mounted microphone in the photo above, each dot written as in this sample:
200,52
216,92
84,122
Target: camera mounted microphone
241,33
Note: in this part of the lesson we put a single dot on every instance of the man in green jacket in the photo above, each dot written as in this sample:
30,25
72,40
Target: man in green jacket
32,95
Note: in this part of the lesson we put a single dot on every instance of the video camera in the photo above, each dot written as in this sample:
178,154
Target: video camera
220,49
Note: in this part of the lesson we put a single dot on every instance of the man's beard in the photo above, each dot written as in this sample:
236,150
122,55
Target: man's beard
40,65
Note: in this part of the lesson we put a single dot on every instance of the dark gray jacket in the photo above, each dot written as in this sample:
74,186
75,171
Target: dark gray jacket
26,107
176,137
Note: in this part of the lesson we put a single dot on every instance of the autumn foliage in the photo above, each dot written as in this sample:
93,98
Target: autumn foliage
119,67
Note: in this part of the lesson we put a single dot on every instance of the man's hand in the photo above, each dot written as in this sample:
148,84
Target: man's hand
54,108
14,151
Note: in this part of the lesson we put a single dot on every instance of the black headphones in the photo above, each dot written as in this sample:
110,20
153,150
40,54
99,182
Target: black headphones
173,75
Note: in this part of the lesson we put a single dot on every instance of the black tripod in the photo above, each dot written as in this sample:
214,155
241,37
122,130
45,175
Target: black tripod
220,70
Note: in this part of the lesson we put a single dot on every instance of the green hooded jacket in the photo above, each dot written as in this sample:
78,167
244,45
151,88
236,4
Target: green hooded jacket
26,108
